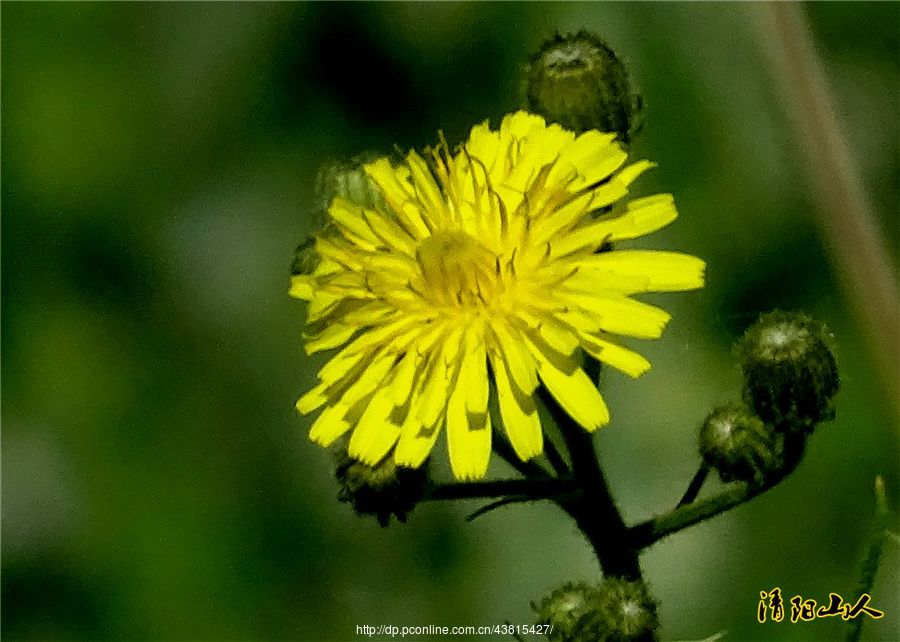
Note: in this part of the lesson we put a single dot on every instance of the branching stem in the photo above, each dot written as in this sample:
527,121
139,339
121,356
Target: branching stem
651,531
594,510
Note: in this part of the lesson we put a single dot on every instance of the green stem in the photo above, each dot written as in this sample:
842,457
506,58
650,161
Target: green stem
687,514
651,531
873,557
532,488
695,486
594,510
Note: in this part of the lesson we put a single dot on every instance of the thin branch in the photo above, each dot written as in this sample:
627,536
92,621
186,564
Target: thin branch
530,488
646,533
695,486
500,503
873,556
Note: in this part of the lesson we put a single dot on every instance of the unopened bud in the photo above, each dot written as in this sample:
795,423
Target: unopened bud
617,610
739,445
569,612
790,375
576,80
382,490
346,179
628,611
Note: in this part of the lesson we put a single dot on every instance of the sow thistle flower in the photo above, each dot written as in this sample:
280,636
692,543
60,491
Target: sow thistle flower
486,264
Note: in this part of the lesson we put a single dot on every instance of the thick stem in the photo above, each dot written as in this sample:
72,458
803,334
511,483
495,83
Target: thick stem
594,509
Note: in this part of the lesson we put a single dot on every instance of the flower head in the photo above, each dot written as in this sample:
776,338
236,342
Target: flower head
616,610
790,373
739,445
481,265
577,80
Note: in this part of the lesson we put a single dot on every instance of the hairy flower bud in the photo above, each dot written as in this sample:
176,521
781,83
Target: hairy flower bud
739,445
628,611
569,611
345,179
576,80
381,490
617,610
790,375
348,180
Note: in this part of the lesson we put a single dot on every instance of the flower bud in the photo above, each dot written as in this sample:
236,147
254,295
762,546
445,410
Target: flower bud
346,179
576,80
617,610
381,490
738,445
628,611
790,375
569,611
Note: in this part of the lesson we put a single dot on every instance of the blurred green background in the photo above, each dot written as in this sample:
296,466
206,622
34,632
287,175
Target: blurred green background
158,162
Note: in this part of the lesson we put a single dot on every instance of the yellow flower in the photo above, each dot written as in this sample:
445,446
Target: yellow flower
483,261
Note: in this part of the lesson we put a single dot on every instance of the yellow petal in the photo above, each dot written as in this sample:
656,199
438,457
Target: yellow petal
617,187
415,441
644,215
469,443
332,336
302,287
649,270
520,124
557,334
312,399
521,421
629,362
374,434
398,194
321,305
571,388
561,218
329,425
437,379
516,355
595,156
350,218
337,250
473,374
404,377
371,377
392,234
621,315
483,144
427,191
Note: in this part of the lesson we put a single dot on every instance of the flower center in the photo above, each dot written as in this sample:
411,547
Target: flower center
459,270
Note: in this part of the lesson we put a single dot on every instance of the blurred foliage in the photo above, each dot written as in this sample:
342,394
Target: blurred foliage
158,167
